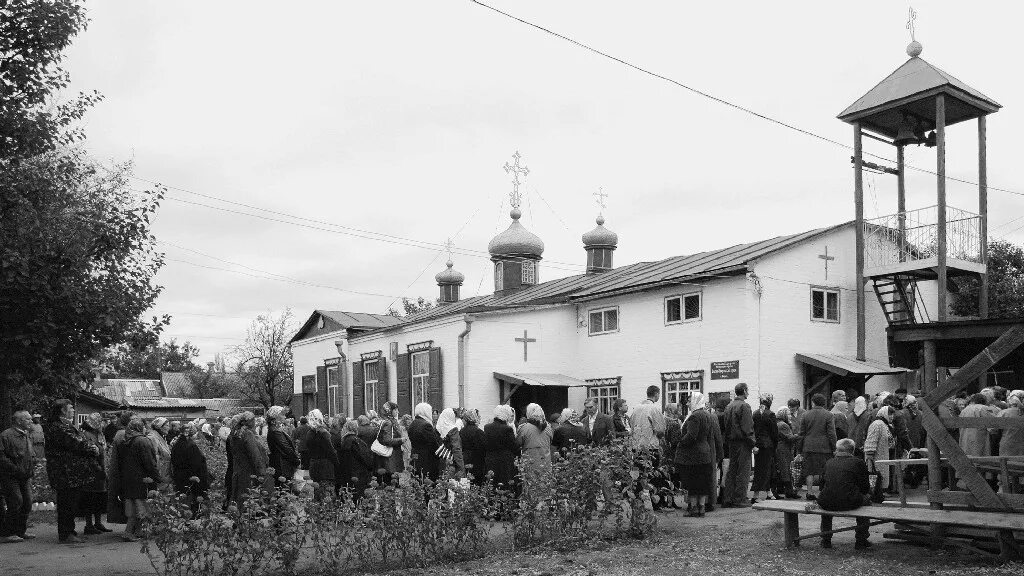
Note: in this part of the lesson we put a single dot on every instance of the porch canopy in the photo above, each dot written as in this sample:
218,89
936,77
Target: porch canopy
511,381
846,366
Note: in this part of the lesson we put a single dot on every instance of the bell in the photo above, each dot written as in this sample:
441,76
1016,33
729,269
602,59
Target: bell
930,140
905,135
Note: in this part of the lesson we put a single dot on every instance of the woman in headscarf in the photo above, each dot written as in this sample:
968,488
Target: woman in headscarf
976,441
879,442
356,461
323,456
448,428
766,438
138,474
534,437
858,422
425,442
157,435
284,458
368,428
1012,442
784,456
569,434
94,494
501,448
473,443
404,422
389,434
248,458
191,474
693,456
70,465
841,414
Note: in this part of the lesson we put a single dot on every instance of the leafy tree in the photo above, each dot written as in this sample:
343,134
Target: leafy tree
1005,284
211,383
410,306
76,254
127,361
265,360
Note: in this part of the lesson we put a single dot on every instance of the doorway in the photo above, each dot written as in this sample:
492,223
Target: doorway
550,398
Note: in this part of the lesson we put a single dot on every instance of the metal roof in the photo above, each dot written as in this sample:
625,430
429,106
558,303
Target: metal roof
844,365
541,379
360,319
133,402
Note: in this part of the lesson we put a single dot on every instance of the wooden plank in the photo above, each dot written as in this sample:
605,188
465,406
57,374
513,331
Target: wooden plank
979,365
961,463
983,213
956,498
940,231
922,538
990,422
976,518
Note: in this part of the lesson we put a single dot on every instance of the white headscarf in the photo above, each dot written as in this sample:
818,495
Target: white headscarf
885,413
423,410
1015,398
315,418
698,401
446,421
859,406
505,413
535,412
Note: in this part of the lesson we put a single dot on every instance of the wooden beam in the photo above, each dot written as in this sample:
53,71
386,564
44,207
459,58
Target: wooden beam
990,422
979,365
901,201
940,171
858,204
983,212
934,466
958,331
950,448
1014,501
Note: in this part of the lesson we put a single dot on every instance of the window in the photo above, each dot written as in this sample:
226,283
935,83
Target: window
825,304
529,272
678,392
371,377
605,395
604,321
420,377
334,406
499,276
683,308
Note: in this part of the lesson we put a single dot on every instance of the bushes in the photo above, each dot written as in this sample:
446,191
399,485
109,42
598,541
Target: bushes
591,493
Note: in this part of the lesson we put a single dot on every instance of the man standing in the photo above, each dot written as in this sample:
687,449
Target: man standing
739,435
16,467
648,424
598,426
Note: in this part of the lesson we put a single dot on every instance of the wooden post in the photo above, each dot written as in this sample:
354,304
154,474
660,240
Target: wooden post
901,202
858,202
940,171
934,461
983,213
791,529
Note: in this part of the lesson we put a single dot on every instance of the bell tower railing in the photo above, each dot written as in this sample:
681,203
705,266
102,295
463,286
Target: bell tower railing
907,242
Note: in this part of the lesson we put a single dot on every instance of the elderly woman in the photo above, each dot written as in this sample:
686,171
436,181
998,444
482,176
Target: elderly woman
449,427
137,474
818,442
322,453
693,457
473,443
879,441
404,422
841,413
284,458
189,469
766,438
857,423
389,434
368,428
356,461
249,458
425,442
501,448
784,455
157,435
94,494
569,434
534,437
70,466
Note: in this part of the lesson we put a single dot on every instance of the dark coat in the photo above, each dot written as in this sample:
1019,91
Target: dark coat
694,447
818,431
323,455
99,476
425,440
70,463
389,436
899,425
603,429
368,433
784,452
453,442
717,442
248,458
567,437
136,460
766,432
284,459
356,464
187,460
500,452
474,444
15,455
739,423
300,435
844,484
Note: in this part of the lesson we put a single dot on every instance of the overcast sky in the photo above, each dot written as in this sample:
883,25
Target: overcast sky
396,117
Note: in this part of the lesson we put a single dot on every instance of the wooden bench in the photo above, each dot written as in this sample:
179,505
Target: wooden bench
792,509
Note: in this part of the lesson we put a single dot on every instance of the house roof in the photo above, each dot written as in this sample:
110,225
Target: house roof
97,400
175,381
118,389
730,261
132,402
335,320
844,365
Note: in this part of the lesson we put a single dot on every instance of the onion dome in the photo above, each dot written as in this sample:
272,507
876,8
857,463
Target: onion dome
600,236
516,240
449,276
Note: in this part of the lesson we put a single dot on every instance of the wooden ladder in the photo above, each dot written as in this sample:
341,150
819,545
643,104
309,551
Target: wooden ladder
895,296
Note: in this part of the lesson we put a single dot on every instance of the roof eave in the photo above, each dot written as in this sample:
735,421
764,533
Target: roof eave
986,106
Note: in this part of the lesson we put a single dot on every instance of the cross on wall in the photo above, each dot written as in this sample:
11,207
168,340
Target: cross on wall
526,341
827,259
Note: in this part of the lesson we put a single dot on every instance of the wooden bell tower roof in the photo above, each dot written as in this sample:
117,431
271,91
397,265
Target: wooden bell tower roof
911,89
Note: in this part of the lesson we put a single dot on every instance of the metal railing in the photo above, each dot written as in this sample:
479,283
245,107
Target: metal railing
913,235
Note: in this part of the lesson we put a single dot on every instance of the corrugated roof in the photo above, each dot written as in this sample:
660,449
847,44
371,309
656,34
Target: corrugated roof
120,388
360,319
844,365
162,403
913,77
560,380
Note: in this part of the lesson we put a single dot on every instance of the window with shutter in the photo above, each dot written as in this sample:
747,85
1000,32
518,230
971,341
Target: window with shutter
436,380
371,380
357,389
321,389
404,396
383,384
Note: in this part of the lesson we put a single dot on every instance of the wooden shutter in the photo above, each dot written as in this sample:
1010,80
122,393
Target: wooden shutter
403,371
383,383
358,406
321,389
436,380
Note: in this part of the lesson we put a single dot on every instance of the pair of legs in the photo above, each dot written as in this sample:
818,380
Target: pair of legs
67,511
136,510
862,532
737,479
19,503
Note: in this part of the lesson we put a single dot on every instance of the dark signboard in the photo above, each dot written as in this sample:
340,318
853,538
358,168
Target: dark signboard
728,370
309,384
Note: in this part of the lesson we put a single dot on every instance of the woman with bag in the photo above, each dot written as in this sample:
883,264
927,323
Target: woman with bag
189,470
356,461
878,442
425,442
448,428
323,457
248,459
784,456
284,459
94,494
388,445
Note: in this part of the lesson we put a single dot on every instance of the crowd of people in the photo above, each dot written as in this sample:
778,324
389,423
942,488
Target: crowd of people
729,455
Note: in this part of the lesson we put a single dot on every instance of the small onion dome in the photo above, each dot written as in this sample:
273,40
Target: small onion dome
516,240
600,236
914,49
449,276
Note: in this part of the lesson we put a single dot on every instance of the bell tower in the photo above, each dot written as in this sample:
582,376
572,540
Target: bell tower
914,106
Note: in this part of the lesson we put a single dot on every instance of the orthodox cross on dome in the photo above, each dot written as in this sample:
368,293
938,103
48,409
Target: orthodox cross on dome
526,341
827,259
599,197
911,16
449,246
515,169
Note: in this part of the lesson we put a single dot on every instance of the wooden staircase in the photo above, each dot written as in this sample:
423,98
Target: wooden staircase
897,296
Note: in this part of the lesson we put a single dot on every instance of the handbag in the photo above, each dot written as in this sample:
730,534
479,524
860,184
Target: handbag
443,453
380,449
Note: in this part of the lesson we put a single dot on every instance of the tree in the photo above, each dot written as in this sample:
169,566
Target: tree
77,257
1005,284
265,360
211,383
149,361
411,306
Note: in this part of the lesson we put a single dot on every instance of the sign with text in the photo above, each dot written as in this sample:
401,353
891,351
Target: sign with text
309,384
728,370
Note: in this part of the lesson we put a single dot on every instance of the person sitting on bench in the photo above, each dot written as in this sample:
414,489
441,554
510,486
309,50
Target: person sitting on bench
844,486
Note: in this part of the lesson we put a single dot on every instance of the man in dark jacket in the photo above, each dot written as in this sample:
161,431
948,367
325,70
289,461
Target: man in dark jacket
739,436
16,467
598,426
844,486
